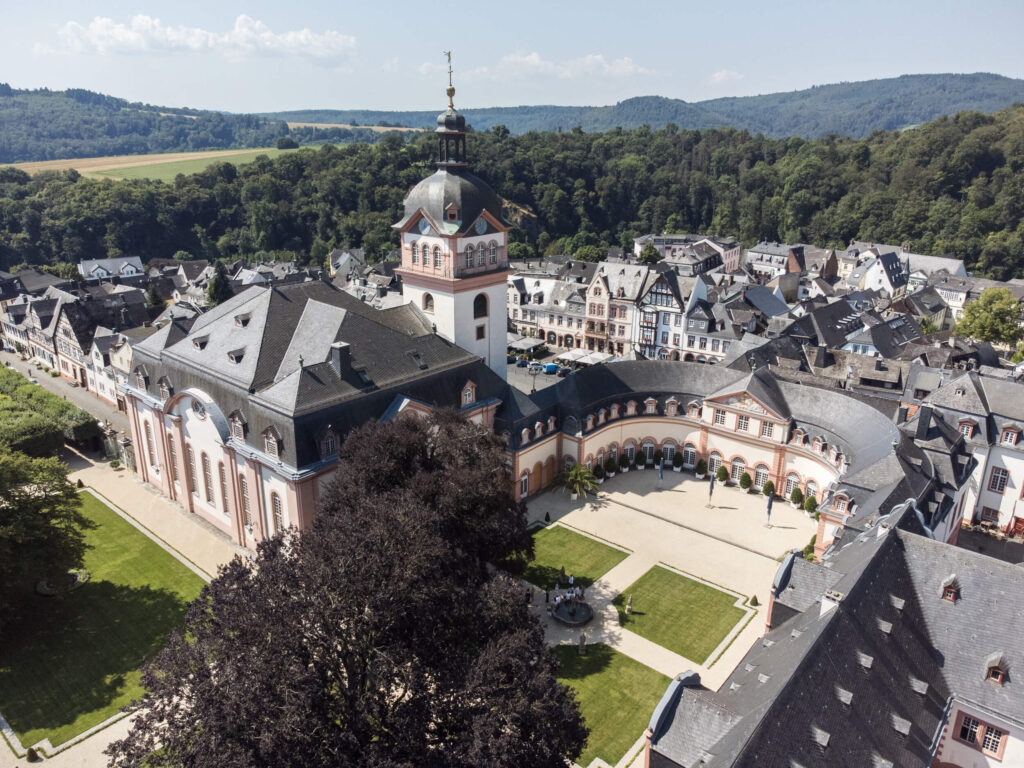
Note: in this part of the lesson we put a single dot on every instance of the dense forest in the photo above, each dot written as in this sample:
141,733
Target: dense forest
846,109
950,186
47,125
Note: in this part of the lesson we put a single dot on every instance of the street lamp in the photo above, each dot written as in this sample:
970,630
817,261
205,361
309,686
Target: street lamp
533,373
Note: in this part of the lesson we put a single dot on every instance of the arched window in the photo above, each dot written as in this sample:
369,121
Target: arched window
278,513
165,389
668,450
481,256
524,484
223,476
738,468
330,445
246,509
237,428
714,462
630,452
207,478
812,490
792,481
480,306
428,302
494,252
415,253
437,256
469,255
760,476
191,468
150,446
689,456
173,456
648,448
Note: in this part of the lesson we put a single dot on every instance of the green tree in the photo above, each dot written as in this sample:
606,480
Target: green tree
649,254
219,290
41,527
928,326
577,480
152,297
287,142
994,317
589,253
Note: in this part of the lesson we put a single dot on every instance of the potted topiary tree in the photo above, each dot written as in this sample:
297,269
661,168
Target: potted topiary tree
577,479
610,466
658,457
640,460
623,463
599,473
745,482
768,489
811,507
722,475
677,462
701,469
796,498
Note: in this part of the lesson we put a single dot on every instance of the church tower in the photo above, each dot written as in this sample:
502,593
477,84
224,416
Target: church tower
454,257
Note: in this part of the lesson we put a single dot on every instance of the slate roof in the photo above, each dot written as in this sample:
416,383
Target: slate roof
867,681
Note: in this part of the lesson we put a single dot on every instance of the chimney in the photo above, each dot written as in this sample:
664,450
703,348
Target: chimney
341,357
924,422
901,417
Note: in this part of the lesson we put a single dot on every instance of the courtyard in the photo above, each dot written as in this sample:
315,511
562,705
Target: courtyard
693,571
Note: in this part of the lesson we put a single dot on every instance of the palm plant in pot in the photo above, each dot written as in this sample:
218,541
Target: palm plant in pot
610,466
701,469
577,479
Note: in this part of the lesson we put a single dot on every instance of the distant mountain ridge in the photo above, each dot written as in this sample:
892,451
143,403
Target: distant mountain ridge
848,109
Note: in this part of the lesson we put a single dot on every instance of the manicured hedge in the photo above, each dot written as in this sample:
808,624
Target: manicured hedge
74,424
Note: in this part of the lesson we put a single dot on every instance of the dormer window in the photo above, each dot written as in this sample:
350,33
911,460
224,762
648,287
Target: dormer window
330,445
590,422
841,503
1009,436
236,355
551,423
650,406
693,410
967,429
242,320
996,675
615,411
270,444
538,428
237,428
165,389
467,396
631,408
200,342
951,589
451,213
525,436
671,407
140,379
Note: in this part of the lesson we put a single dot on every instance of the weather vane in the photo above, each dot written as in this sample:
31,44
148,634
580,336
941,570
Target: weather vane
448,54
451,88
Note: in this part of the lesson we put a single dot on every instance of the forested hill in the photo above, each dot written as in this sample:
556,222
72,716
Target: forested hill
47,125
846,109
949,186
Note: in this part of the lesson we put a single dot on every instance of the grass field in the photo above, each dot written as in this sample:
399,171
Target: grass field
678,613
557,547
73,661
616,695
163,166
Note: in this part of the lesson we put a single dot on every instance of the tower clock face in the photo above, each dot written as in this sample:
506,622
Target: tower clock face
481,226
424,226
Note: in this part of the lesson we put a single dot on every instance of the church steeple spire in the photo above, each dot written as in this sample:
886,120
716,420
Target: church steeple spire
451,130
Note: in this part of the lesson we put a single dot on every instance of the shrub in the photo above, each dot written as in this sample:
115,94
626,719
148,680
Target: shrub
547,517
768,489
745,481
797,496
610,465
640,459
753,601
599,472
809,549
677,459
623,461
658,457
811,505
54,374
287,142
702,467
114,464
722,474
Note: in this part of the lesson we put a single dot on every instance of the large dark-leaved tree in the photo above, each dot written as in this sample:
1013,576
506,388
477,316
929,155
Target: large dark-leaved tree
41,526
374,638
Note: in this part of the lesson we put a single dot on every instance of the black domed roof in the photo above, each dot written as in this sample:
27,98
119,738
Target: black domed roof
468,193
449,121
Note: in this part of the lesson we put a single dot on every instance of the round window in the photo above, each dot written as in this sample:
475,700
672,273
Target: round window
198,409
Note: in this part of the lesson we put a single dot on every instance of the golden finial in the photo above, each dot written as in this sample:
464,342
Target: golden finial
450,90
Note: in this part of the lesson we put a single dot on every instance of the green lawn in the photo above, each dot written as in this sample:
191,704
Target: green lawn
557,547
679,613
167,171
73,661
616,695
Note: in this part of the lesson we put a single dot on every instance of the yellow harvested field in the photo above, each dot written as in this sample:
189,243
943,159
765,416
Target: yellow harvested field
378,128
93,164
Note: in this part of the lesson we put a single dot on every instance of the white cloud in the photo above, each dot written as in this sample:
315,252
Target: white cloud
725,76
146,34
523,66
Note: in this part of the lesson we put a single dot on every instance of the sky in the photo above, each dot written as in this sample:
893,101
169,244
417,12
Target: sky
336,54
